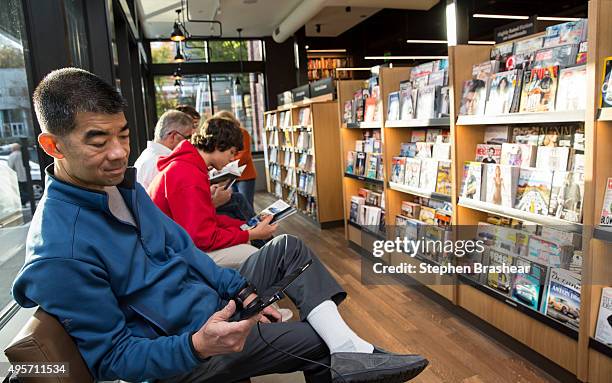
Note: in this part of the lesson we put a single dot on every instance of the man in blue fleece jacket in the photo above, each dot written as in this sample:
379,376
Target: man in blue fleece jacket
139,299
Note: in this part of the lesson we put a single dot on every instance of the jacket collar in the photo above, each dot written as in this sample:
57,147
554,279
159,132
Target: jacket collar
83,197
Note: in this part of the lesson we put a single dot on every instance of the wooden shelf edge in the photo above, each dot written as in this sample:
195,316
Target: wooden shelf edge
418,192
605,114
418,123
523,118
378,235
540,317
603,233
365,179
520,215
600,347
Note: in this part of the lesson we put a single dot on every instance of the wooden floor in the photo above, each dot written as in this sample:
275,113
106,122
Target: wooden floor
402,319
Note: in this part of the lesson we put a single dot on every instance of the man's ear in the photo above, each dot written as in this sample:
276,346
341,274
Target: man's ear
49,143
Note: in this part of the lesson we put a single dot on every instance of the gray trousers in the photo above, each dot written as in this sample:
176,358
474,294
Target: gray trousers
263,269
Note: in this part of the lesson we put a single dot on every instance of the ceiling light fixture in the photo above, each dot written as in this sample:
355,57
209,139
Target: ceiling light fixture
179,58
551,18
426,41
352,69
237,82
493,16
177,75
177,30
326,51
480,42
405,57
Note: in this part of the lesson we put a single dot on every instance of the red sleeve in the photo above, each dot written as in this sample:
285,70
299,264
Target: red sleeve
191,207
227,221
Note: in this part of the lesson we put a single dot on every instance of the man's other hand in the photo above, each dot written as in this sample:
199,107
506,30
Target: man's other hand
219,195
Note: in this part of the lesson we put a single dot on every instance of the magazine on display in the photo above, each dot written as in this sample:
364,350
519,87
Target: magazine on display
406,101
426,106
418,135
360,164
472,180
603,331
529,135
606,84
524,51
394,109
522,155
501,282
444,183
474,96
562,55
539,89
408,149
499,184
488,154
572,87
429,174
439,78
567,196
350,162
571,32
279,210
533,190
441,151
553,158
605,219
412,172
527,287
549,253
398,166
356,203
497,135
411,209
431,135
502,92
372,166
427,215
563,297
501,53
581,57
424,149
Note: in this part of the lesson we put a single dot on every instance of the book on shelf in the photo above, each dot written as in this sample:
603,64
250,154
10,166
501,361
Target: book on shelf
605,218
350,162
522,155
347,116
561,55
360,163
418,135
444,103
398,166
539,89
424,149
406,101
228,174
372,166
410,209
488,154
304,116
356,203
426,102
553,158
374,198
408,149
533,190
472,180
561,237
429,174
563,297
567,196
412,172
370,109
503,91
279,210
502,281
497,134
571,32
572,88
441,151
499,184
527,288
603,331
427,215
549,253
393,112
444,181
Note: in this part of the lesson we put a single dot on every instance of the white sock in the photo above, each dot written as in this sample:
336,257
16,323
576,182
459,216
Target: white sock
337,335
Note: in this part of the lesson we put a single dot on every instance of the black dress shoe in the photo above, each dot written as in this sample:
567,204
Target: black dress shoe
380,367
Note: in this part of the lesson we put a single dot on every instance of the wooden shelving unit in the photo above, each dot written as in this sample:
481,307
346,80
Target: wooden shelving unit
323,140
576,351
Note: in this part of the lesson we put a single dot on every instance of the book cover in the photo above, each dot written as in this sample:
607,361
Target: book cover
605,218
524,51
350,162
444,104
539,89
558,135
533,190
424,149
408,149
499,184
581,57
572,88
563,297
418,135
370,109
500,281
571,32
228,174
406,101
400,226
412,172
567,196
488,154
438,78
356,203
372,166
562,55
472,179
410,209
444,183
501,93
527,288
549,253
394,106
522,155
441,151
431,135
603,331
474,97
360,163
347,116
304,116
497,134
380,170
426,102
427,215
398,166
429,173
552,158
606,84
501,53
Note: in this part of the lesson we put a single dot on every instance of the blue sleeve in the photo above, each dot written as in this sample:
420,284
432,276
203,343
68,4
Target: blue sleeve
97,324
227,282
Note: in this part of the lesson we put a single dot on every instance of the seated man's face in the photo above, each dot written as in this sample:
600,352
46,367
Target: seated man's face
96,151
221,158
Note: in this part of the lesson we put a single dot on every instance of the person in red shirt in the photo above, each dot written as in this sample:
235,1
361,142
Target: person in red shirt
245,185
182,191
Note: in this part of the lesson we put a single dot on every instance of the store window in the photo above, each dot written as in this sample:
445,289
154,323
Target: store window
230,50
191,90
77,33
18,192
163,52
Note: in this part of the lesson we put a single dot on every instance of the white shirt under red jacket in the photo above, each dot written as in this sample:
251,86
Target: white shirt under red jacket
146,164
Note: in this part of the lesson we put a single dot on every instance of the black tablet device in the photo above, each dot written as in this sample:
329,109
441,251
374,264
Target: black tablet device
264,301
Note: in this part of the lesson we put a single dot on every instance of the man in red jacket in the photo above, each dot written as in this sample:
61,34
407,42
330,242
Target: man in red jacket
182,191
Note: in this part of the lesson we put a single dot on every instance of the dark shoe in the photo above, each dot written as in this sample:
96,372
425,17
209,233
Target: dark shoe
380,367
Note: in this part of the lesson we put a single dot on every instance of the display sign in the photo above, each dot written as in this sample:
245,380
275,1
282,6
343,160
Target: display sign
301,92
285,98
322,87
515,30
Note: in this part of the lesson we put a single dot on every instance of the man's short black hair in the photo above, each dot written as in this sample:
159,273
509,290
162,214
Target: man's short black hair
218,133
65,92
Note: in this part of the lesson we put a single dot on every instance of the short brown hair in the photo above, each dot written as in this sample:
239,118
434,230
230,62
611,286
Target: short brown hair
189,110
220,134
